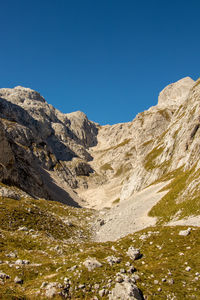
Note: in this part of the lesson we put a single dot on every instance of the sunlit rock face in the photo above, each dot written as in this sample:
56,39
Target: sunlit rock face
175,93
102,164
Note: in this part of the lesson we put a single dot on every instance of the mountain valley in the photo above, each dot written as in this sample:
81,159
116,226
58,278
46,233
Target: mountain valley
100,212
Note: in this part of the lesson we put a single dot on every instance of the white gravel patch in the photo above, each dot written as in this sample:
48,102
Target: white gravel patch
190,221
130,215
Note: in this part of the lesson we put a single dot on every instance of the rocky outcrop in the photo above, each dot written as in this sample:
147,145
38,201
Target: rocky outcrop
158,141
175,93
38,142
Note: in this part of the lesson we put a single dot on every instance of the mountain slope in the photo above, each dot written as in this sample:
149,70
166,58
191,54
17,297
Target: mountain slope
133,175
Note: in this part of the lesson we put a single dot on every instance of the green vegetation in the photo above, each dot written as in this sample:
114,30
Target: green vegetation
147,143
164,113
116,201
172,203
149,162
53,244
106,167
160,259
125,142
123,169
40,215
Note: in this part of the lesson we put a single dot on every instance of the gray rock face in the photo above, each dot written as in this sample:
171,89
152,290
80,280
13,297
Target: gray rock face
84,129
8,193
36,139
129,157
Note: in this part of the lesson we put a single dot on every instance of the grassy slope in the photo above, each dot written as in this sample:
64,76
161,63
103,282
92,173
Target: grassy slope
177,201
47,246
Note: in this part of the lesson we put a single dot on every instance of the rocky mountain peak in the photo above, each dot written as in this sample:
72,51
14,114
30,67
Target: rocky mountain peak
175,93
21,94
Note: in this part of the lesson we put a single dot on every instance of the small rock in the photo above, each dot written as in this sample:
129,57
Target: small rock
4,275
96,286
66,280
113,260
169,273
122,271
155,282
18,280
44,284
11,255
185,232
26,262
102,222
113,248
159,289
23,228
51,292
119,279
188,269
91,263
136,277
19,262
170,281
73,268
131,270
102,292
81,286
143,237
133,253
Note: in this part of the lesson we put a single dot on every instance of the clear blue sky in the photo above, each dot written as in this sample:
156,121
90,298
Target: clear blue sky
108,58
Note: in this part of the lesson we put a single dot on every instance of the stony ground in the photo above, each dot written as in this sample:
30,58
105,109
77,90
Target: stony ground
130,215
46,250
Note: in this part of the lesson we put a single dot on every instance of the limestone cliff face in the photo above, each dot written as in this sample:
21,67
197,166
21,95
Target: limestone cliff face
128,157
50,154
175,93
43,143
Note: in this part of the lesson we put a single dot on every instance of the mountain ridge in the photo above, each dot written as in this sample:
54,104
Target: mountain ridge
115,188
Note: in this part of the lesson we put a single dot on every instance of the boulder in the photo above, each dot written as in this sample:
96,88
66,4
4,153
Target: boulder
92,263
133,253
125,290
